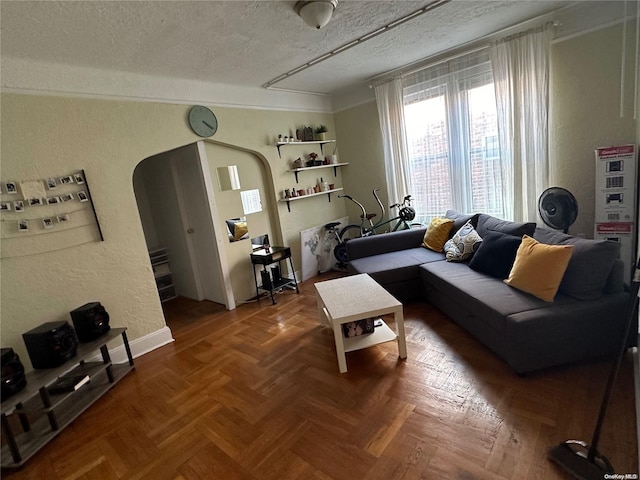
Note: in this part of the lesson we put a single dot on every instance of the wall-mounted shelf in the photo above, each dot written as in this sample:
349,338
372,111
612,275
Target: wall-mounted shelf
292,144
334,165
309,195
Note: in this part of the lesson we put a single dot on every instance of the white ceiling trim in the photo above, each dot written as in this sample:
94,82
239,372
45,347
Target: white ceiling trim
40,78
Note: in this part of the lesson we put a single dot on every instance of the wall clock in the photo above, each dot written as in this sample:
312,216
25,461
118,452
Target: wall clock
202,121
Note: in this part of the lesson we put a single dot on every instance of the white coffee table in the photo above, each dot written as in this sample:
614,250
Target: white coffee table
357,297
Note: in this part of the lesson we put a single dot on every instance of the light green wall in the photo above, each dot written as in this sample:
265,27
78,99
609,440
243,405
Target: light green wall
46,137
253,176
585,111
360,143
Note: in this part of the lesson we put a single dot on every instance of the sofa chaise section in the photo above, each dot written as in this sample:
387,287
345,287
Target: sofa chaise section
528,333
393,260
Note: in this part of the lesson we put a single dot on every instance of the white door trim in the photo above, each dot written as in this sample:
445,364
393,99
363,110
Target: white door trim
220,235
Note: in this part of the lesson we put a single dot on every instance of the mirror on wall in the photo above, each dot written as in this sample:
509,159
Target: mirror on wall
228,178
259,242
237,229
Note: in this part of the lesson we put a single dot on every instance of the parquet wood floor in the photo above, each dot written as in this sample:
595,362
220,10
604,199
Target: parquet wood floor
256,394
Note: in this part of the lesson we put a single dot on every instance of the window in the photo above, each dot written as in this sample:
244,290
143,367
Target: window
452,138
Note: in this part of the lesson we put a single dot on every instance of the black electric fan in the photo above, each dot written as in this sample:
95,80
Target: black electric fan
558,208
579,458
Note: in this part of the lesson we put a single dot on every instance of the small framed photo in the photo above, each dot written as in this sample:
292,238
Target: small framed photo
82,196
79,178
47,223
52,184
18,206
11,187
66,180
35,202
63,218
53,200
66,197
23,226
5,206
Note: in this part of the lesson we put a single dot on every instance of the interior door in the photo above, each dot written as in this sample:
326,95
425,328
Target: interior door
198,225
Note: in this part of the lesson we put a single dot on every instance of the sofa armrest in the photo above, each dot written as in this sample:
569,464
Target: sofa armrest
385,243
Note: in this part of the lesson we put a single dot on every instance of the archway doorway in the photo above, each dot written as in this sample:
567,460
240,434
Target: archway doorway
173,194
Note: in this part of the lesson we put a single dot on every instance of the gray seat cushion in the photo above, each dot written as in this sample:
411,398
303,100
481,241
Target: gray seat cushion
487,297
395,266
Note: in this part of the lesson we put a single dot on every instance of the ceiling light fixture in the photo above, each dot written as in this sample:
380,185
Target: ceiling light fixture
316,13
378,31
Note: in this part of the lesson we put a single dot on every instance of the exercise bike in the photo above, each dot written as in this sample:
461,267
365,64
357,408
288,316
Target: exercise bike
367,227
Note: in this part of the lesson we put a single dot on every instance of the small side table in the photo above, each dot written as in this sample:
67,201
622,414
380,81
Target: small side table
268,257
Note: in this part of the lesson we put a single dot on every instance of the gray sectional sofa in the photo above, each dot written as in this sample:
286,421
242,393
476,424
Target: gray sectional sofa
584,321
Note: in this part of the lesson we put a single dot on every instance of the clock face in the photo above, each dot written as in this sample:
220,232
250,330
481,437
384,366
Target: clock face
202,121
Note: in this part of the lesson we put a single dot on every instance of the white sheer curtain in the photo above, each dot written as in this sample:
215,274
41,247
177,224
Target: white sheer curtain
521,77
389,98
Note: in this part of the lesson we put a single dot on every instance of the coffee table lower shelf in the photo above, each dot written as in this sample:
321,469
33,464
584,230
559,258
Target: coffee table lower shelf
381,334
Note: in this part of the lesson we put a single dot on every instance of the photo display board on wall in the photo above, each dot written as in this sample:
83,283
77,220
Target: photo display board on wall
46,215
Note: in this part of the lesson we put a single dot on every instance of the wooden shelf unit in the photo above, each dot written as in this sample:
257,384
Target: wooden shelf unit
322,143
42,416
334,165
162,272
309,195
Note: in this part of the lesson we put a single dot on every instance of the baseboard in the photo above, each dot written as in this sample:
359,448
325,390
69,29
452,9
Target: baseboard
139,346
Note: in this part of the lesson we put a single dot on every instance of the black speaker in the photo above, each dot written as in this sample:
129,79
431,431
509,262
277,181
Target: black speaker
90,321
13,377
51,344
266,279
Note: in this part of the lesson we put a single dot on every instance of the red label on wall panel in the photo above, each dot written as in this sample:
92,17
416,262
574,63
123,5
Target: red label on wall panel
614,227
609,151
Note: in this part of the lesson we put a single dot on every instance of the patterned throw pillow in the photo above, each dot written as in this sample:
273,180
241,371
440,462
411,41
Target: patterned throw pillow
463,244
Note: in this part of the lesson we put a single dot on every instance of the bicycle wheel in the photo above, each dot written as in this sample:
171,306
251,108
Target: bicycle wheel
349,232
346,234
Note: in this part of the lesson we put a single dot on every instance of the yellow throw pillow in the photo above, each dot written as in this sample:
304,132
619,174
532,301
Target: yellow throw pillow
539,268
240,231
437,233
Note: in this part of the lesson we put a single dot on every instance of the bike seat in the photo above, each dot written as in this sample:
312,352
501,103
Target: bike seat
331,225
369,216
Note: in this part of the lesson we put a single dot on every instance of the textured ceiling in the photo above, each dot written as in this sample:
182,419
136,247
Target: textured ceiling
246,43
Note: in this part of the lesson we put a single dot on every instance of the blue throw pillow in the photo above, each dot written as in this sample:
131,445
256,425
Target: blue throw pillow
496,254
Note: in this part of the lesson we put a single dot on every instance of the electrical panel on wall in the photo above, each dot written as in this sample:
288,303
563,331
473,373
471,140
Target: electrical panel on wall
616,193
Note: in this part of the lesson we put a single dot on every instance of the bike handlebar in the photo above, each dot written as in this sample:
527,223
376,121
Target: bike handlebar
406,200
